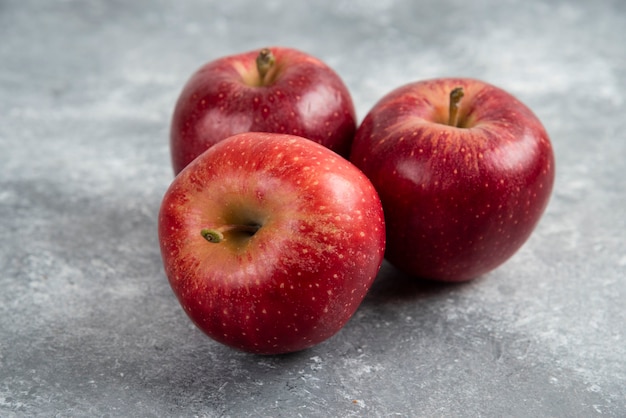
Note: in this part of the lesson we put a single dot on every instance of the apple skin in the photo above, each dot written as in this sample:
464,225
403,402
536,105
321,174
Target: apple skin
297,280
458,201
301,96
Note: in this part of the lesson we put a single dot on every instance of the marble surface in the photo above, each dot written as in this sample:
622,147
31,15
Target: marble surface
88,323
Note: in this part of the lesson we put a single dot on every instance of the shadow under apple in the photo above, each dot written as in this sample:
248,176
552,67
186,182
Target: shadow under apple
392,285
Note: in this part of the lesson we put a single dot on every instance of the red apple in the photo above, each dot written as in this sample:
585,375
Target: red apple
271,241
279,90
464,171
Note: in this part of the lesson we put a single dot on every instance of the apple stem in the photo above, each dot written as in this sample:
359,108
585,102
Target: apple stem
216,235
212,235
455,98
264,62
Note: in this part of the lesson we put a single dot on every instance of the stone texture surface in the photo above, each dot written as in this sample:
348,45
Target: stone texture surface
88,323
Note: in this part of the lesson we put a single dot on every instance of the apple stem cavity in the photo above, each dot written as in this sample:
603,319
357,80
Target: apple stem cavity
264,63
455,98
216,235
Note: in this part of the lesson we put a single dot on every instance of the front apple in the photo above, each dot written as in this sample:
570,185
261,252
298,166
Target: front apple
464,171
279,90
270,242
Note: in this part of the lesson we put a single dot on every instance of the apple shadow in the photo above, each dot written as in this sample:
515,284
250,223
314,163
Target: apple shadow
392,285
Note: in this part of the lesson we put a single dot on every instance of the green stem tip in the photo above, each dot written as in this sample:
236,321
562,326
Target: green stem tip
212,235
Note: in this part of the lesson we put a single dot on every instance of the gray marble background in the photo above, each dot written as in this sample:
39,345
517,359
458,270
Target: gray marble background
88,323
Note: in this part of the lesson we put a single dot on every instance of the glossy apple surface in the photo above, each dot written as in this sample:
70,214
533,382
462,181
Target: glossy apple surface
270,241
280,90
460,196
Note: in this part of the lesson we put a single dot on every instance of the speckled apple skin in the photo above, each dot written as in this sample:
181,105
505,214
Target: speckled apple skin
458,201
306,98
300,278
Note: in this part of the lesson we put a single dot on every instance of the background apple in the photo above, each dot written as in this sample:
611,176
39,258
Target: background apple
270,241
464,171
277,89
